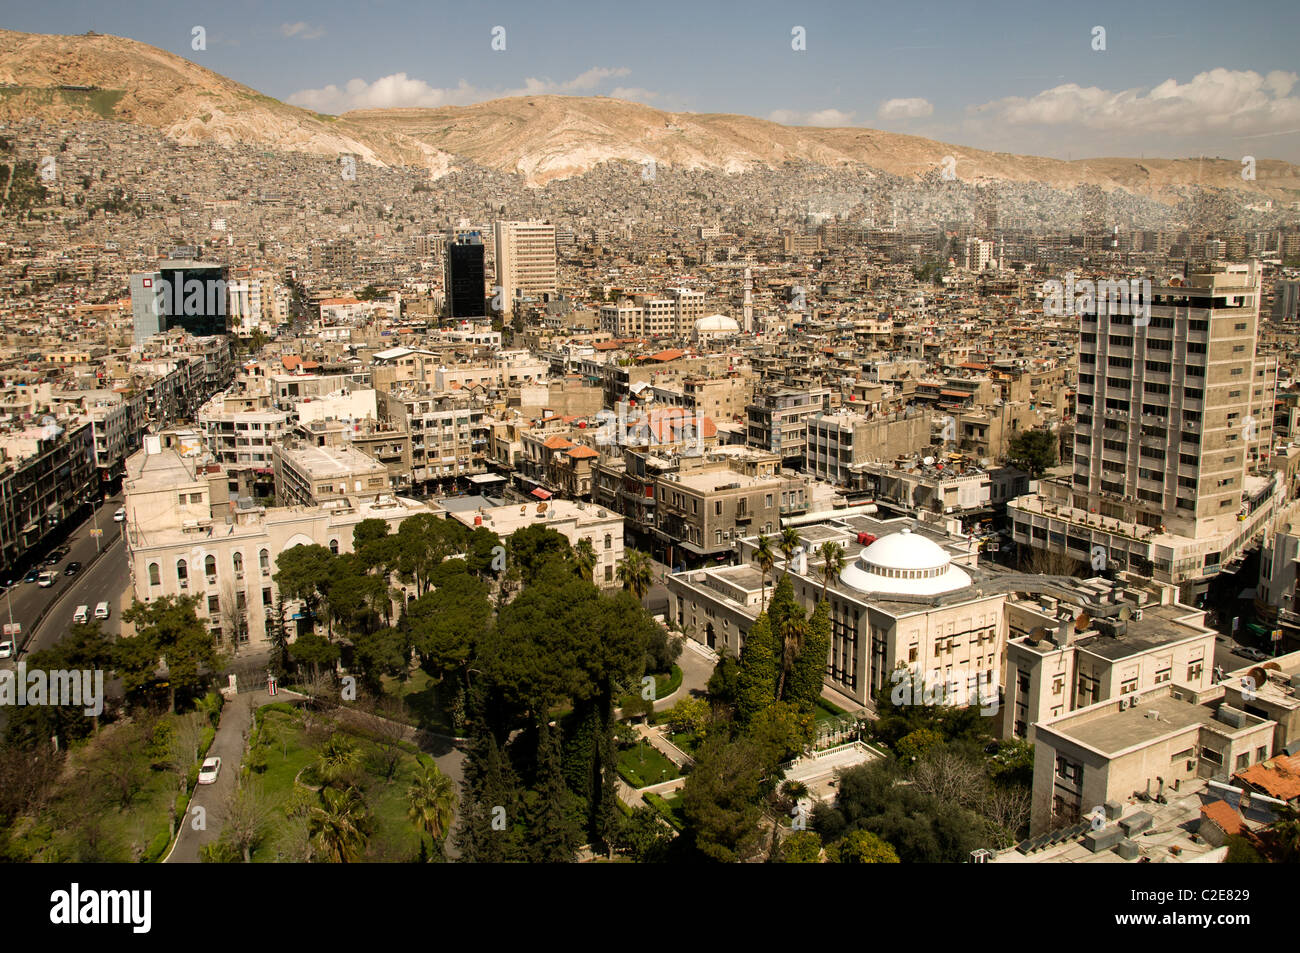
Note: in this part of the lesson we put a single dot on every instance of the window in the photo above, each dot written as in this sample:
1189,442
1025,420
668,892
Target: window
609,573
266,597
334,546
210,568
155,577
214,605
609,541
182,571
264,560
238,561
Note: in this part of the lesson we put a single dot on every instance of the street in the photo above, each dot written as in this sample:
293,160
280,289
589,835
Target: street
104,581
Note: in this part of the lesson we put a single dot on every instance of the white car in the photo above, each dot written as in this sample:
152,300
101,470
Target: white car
208,773
6,649
46,579
101,610
120,515
82,615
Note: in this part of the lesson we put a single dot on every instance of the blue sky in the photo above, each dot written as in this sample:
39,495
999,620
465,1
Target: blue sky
1174,79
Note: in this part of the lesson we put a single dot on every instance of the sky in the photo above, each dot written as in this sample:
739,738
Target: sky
1078,79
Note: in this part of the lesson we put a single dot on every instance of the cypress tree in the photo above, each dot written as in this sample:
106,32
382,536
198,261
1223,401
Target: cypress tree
756,683
554,833
804,685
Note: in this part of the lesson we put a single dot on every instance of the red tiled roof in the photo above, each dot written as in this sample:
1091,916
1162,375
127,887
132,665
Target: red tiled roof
671,354
1223,814
557,443
582,453
1278,777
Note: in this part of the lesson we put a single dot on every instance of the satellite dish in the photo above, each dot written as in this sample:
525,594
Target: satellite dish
1271,667
984,462
1125,614
1258,675
541,507
928,461
1082,622
1037,634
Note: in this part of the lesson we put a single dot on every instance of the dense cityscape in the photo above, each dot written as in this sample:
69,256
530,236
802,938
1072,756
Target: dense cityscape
364,510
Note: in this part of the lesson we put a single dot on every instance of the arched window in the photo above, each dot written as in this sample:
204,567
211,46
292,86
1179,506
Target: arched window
609,541
210,566
334,546
238,560
155,576
182,570
264,560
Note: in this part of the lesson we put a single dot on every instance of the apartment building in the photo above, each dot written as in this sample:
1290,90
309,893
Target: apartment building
1154,741
954,487
311,475
777,420
526,262
1168,419
450,432
241,430
1095,641
704,509
839,442
463,275
46,474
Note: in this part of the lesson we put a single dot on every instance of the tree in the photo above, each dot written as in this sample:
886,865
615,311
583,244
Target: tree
338,761
1033,451
446,624
432,804
248,820
793,633
788,543
535,548
914,745
584,555
552,815
234,615
689,714
862,847
303,572
340,826
802,847
832,556
490,804
167,629
808,672
314,650
756,679
721,800
635,573
766,560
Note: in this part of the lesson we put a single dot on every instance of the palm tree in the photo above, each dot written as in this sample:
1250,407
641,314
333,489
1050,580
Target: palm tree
788,544
339,759
635,573
432,800
339,828
584,555
832,555
766,559
793,632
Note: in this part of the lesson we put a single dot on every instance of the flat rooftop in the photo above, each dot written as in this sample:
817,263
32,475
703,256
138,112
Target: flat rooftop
330,461
1121,730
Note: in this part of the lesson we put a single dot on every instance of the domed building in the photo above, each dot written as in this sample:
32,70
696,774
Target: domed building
715,326
907,599
904,563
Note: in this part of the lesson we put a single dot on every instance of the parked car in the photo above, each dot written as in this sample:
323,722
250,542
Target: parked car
120,515
46,579
101,610
32,576
82,615
6,649
208,773
1253,654
74,567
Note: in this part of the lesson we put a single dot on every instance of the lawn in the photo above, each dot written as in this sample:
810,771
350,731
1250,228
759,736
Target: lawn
643,764
292,748
422,696
828,712
665,684
688,741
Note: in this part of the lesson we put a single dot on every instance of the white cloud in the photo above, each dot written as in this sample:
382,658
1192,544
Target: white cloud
914,108
401,91
1238,102
820,117
304,31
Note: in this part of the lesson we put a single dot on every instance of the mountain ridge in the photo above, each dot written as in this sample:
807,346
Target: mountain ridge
539,137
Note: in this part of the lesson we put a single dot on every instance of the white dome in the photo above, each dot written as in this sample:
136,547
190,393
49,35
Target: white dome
904,563
717,322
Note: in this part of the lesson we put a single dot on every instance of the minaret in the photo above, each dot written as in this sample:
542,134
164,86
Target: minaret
748,312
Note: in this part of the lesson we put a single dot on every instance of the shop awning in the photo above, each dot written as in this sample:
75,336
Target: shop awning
541,494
